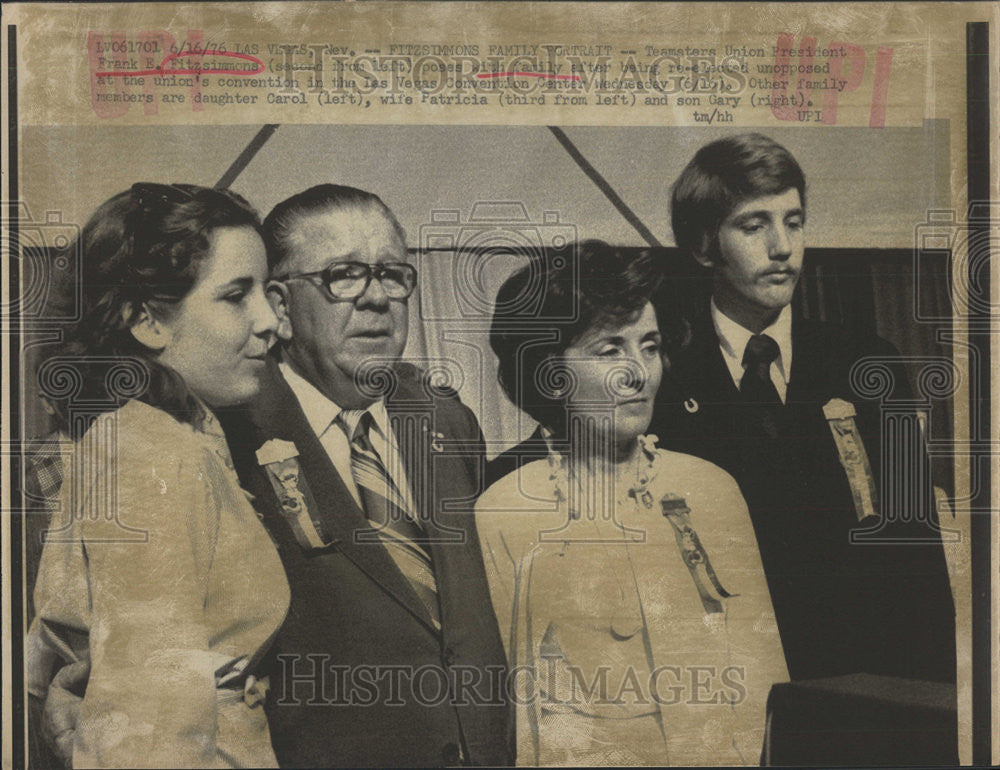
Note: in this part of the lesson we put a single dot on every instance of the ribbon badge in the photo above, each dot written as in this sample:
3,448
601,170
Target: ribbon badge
280,460
840,415
694,555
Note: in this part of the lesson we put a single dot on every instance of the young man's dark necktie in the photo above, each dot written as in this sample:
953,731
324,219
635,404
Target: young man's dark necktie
757,387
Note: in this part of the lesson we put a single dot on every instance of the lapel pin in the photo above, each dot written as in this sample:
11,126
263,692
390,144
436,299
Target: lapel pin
436,438
691,406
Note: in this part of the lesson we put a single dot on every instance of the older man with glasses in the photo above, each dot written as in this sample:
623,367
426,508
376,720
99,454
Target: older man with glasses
364,475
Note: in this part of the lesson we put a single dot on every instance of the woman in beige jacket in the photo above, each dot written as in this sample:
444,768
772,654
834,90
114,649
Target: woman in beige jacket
159,589
626,578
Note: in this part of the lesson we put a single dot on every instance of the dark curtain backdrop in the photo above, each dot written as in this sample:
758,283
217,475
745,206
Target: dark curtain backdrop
891,294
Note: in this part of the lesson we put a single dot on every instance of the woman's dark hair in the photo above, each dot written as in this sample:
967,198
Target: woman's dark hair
141,251
723,174
319,199
597,285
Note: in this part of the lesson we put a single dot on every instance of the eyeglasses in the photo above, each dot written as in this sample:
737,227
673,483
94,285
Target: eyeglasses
148,197
350,280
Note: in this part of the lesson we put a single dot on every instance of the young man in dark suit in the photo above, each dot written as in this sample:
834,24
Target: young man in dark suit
778,402
365,476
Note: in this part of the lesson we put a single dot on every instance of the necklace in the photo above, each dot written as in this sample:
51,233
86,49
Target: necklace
642,470
674,510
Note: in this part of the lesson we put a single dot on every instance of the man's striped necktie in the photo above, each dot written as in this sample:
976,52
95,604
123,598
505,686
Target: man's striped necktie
388,512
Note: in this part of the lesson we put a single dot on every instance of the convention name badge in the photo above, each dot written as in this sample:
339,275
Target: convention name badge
694,555
840,415
280,460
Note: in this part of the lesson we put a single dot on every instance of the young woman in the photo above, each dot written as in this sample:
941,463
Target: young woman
626,578
158,588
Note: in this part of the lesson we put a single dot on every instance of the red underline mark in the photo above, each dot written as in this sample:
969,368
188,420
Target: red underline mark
161,71
526,75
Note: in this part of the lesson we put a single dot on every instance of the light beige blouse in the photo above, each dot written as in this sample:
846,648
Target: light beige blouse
616,657
158,577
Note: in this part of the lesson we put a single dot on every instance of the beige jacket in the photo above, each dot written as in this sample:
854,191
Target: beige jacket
616,658
158,578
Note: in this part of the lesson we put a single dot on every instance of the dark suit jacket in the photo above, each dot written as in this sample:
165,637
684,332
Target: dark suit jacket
359,675
841,608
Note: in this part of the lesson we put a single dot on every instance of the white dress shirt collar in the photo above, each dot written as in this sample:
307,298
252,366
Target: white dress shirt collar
321,412
733,339
318,409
